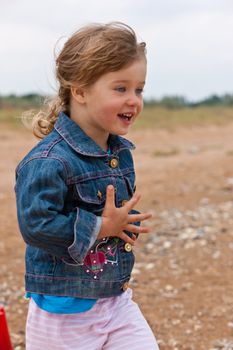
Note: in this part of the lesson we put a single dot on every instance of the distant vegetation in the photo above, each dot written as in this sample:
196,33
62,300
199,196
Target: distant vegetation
22,101
180,101
171,102
167,112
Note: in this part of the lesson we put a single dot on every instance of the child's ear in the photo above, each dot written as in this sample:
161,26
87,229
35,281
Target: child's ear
78,94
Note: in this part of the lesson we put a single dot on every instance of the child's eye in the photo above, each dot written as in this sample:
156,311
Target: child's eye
139,91
120,89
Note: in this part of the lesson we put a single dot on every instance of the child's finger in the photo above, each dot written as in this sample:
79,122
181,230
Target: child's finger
139,217
110,196
137,229
126,238
132,202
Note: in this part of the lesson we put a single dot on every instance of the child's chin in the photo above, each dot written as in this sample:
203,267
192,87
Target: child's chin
124,132
121,133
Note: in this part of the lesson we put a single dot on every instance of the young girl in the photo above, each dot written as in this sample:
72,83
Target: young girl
75,194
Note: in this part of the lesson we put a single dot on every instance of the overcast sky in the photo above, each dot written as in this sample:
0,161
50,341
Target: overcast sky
189,42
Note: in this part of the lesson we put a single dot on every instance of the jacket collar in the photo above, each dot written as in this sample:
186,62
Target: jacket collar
82,143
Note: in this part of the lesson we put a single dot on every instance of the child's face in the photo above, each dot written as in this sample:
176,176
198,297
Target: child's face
114,101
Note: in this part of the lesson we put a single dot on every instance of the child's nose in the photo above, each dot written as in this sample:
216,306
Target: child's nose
134,100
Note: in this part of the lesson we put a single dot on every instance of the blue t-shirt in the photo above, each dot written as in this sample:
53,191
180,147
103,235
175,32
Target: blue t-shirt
61,305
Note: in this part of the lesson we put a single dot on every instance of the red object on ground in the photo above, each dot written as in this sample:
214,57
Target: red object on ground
5,342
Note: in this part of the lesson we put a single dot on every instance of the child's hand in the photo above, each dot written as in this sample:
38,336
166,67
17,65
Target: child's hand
115,220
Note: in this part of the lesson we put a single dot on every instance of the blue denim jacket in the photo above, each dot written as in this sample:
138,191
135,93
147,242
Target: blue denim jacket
60,193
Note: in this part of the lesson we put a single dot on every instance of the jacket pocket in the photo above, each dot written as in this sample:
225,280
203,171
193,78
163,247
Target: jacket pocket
91,194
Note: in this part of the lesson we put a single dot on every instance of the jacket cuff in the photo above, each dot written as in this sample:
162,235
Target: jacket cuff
96,231
86,229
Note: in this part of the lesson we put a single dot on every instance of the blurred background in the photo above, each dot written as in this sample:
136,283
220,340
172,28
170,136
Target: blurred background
189,43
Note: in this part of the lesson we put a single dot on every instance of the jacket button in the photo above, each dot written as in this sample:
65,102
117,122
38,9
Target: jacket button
124,202
114,163
128,247
125,286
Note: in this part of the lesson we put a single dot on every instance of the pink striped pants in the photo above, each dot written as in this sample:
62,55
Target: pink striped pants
112,324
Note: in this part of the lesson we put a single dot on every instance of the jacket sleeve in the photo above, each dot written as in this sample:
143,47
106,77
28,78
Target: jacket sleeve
41,189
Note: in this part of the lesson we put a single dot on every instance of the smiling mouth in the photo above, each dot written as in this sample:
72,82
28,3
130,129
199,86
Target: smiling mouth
126,116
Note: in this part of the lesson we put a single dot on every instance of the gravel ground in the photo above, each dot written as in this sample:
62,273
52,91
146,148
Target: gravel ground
183,277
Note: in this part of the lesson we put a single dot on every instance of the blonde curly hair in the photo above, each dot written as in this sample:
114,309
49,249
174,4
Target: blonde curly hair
89,53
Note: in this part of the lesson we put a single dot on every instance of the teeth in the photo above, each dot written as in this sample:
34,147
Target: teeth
127,116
